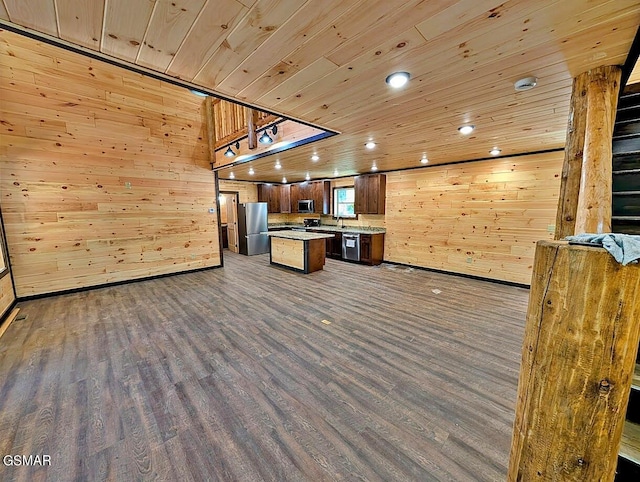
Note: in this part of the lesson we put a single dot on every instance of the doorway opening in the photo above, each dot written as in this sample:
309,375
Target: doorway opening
228,201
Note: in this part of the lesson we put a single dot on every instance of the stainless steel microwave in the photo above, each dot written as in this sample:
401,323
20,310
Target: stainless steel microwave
305,206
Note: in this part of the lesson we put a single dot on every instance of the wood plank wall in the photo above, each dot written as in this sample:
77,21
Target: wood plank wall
6,294
104,172
478,218
247,191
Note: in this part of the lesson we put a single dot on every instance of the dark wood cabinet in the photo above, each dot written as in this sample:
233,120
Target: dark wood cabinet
334,246
371,248
319,191
370,192
225,236
285,198
270,194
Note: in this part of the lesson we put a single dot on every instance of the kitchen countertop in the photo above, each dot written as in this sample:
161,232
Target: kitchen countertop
333,229
299,235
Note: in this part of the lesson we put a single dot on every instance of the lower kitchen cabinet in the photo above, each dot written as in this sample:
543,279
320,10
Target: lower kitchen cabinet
334,246
371,248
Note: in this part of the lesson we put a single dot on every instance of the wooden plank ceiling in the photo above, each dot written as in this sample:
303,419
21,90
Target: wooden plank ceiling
325,62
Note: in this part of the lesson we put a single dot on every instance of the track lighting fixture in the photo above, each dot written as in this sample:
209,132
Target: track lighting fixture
229,152
265,138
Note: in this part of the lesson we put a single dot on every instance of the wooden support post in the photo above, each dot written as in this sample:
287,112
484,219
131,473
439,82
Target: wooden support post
252,124
211,132
585,200
578,359
595,198
572,167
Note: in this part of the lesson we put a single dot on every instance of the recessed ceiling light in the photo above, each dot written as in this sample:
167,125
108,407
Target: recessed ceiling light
370,145
495,151
232,175
284,180
468,129
335,172
424,159
315,157
525,84
278,165
251,171
307,177
374,168
398,79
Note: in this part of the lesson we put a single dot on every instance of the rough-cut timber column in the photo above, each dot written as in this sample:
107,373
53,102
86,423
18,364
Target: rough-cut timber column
578,358
572,167
594,201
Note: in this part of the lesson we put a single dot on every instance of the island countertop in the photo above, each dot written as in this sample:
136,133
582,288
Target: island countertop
299,235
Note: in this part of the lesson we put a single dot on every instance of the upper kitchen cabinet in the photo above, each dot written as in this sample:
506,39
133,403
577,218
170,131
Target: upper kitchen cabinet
370,194
285,198
318,191
270,194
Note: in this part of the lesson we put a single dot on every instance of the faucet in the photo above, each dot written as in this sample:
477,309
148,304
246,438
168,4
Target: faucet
340,221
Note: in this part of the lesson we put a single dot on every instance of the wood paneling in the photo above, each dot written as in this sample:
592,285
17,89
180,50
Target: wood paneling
480,218
6,293
105,188
289,252
325,63
80,21
248,191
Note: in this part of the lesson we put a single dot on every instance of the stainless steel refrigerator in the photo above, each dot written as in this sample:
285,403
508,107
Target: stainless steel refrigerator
252,224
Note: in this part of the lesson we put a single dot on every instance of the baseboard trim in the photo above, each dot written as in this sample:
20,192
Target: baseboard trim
115,283
462,275
8,316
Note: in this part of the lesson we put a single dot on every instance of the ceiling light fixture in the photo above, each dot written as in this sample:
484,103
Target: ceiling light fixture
198,93
424,159
495,151
251,171
398,79
335,172
527,83
278,165
229,152
374,167
264,138
370,145
232,175
307,177
284,180
466,130
315,157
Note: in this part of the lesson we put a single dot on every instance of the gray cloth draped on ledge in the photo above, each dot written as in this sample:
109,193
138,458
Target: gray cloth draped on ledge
625,248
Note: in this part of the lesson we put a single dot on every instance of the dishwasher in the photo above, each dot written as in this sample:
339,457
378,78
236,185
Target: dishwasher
351,246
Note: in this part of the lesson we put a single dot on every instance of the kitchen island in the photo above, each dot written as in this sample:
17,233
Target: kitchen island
298,250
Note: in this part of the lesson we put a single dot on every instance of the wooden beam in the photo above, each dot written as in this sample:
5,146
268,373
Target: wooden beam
595,197
578,360
252,123
211,129
572,167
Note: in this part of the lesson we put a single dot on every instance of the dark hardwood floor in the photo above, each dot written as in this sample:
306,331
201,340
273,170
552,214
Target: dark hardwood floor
255,373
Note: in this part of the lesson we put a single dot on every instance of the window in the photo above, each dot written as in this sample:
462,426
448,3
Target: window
343,202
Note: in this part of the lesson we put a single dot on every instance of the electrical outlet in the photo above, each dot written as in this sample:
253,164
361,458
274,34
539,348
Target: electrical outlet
551,228
469,260
127,185
193,256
